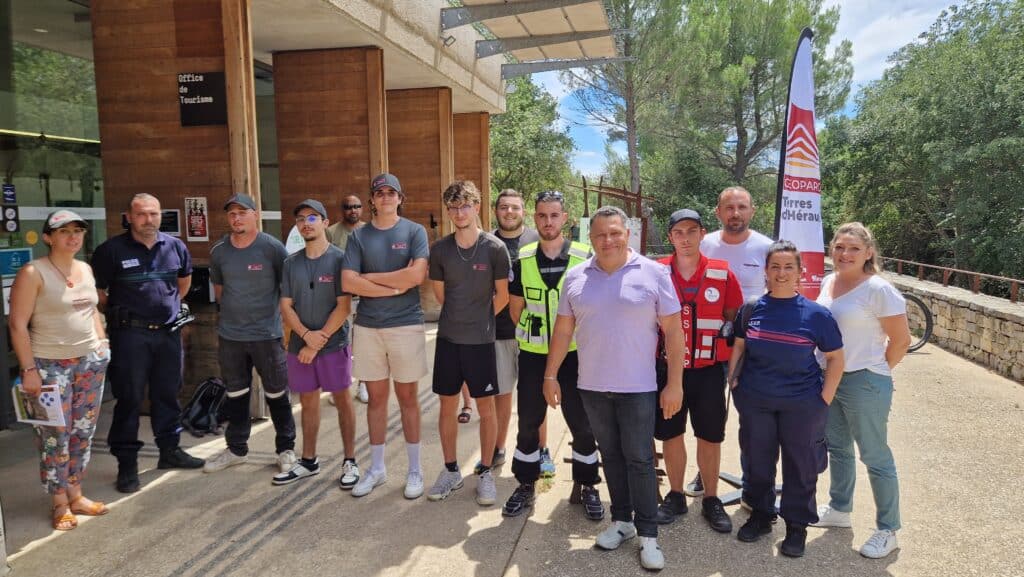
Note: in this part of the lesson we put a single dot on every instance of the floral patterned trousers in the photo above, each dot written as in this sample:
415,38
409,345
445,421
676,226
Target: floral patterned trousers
64,451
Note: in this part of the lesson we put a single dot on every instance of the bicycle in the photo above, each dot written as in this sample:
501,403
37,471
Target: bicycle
921,321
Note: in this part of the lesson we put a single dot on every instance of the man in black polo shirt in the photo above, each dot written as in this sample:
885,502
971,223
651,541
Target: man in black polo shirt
141,277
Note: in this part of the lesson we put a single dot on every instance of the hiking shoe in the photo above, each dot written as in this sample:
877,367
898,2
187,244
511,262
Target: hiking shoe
547,466
713,510
127,478
177,458
795,541
522,498
651,557
446,482
829,517
671,507
496,461
286,460
486,492
880,544
371,480
694,488
413,485
593,509
299,470
223,460
756,526
615,534
362,395
350,475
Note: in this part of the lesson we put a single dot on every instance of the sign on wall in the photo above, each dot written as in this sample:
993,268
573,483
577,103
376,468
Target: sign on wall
196,219
202,98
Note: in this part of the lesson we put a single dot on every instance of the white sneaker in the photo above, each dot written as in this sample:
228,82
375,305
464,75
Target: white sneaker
369,482
446,482
349,474
286,460
413,485
486,492
880,544
224,460
651,557
829,517
361,393
615,534
298,471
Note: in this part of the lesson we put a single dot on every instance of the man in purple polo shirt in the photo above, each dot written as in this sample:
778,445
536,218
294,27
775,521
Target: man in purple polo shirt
614,303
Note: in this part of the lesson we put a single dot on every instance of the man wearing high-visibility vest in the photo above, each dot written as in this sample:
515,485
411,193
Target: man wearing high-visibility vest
536,285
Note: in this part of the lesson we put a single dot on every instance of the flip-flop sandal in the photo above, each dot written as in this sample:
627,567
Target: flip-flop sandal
66,521
95,510
465,415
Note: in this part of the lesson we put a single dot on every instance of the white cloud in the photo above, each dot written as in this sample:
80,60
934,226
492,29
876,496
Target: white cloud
550,82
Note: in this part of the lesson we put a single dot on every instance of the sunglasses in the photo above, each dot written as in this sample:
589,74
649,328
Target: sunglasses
550,195
308,218
351,206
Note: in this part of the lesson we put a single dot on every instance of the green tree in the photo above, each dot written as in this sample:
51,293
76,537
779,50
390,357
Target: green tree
529,152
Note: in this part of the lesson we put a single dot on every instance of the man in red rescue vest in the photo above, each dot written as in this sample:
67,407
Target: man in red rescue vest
710,295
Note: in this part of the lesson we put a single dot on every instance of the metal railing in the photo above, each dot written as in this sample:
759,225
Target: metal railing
947,274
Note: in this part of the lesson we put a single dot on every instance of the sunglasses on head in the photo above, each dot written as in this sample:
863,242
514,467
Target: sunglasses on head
550,195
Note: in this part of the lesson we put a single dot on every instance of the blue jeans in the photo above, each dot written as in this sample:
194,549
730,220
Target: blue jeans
623,425
860,413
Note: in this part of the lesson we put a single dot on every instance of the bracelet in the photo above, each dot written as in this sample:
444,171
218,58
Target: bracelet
304,334
29,370
550,378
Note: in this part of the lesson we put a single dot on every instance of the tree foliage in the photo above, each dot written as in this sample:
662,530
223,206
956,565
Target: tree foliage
529,152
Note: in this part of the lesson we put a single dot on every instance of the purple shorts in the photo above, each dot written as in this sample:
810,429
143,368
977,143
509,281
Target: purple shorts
330,372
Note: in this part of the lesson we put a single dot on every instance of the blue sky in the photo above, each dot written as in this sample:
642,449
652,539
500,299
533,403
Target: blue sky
877,28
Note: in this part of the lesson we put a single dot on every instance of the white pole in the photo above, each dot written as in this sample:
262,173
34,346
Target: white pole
5,569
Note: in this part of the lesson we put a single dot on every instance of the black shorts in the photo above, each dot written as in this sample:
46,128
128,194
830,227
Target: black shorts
703,398
475,365
237,359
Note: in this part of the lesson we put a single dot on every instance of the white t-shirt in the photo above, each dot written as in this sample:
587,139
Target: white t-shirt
857,313
746,259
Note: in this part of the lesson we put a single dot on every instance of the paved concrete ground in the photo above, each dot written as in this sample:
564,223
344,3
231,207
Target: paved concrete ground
955,429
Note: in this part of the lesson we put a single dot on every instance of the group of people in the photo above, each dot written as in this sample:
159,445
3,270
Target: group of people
626,346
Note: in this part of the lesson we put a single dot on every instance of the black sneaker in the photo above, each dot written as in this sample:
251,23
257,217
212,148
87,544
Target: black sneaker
796,539
757,525
177,458
593,509
521,499
127,478
694,488
714,512
673,506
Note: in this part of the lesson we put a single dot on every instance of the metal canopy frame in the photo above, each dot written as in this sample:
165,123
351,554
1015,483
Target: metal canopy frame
526,68
455,17
485,48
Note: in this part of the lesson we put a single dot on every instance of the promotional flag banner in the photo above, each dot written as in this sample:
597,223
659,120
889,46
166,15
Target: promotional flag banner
798,200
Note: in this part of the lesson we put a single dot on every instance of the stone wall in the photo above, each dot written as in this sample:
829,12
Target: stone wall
982,328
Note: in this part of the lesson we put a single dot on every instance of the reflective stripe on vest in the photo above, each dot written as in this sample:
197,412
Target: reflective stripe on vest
533,329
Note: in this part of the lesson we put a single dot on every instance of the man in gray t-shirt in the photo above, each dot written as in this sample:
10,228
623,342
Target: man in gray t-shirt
469,270
315,309
246,267
385,263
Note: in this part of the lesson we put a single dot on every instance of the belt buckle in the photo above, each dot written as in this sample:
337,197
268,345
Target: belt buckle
153,327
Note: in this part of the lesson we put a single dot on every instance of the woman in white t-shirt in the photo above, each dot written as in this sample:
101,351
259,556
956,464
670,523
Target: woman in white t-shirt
872,317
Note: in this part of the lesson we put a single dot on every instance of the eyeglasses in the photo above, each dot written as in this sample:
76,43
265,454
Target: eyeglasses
309,218
463,208
550,195
351,206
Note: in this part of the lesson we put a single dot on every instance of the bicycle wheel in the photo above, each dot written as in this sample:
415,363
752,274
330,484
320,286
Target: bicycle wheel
921,321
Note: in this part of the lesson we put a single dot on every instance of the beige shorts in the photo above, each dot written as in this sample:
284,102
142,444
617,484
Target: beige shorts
506,351
399,353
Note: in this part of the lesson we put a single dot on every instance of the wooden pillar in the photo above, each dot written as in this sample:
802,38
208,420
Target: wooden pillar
331,125
473,156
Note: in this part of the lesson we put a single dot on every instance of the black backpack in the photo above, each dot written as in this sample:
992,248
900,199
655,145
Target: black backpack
201,415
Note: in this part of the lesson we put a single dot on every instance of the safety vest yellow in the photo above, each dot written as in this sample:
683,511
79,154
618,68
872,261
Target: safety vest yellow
533,328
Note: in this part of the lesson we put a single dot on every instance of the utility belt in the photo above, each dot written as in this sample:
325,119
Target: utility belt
118,317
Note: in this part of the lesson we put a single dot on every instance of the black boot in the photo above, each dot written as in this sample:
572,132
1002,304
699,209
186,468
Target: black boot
796,539
176,458
757,525
127,477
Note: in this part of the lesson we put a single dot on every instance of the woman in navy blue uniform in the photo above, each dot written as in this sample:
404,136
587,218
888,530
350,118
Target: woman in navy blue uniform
782,396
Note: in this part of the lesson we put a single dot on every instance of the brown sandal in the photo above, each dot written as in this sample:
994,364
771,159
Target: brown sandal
94,510
466,415
65,521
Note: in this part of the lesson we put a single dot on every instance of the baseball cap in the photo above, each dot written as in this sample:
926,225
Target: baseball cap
59,218
243,200
684,214
385,179
313,204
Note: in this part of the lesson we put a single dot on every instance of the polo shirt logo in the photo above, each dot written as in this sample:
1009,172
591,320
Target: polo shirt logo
255,267
325,278
480,266
129,263
399,246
